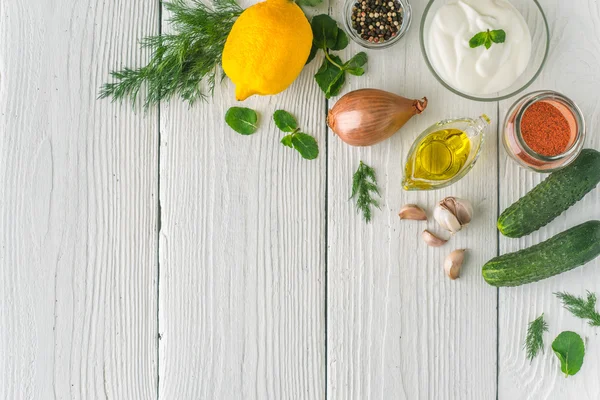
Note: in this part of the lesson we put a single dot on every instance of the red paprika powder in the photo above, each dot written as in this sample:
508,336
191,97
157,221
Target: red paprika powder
545,129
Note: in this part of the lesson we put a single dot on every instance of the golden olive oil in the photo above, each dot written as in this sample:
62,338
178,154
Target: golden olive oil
438,157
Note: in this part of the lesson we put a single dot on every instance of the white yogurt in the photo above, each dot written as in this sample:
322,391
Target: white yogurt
478,71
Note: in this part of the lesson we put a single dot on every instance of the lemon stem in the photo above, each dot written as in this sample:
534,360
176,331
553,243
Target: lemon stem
331,61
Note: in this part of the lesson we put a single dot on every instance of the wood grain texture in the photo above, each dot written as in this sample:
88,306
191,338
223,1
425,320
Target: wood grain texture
242,265
398,328
572,69
78,207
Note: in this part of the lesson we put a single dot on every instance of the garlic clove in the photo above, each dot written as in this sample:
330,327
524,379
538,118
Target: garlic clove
412,212
432,240
453,213
453,263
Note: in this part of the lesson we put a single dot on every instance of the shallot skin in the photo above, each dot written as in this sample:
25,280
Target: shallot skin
365,117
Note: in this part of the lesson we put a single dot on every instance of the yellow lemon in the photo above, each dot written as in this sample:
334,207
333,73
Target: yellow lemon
267,48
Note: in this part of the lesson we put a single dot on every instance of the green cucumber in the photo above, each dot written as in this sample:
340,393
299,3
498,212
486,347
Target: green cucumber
560,253
552,197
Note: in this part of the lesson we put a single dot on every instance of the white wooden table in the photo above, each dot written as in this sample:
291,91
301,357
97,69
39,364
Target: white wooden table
161,255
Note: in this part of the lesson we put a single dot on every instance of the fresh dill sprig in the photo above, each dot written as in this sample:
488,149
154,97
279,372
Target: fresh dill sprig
534,342
182,60
580,307
364,184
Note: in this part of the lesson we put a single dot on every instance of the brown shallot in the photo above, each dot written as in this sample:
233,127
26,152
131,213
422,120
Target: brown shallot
365,117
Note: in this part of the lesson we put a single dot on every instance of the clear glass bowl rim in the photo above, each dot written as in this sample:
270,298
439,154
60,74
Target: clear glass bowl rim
475,98
406,22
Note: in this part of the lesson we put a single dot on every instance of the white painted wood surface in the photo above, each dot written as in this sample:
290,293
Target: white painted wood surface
242,251
572,69
78,198
398,328
264,283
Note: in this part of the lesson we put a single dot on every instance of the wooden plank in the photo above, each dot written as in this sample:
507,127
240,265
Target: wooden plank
571,69
78,215
242,251
398,328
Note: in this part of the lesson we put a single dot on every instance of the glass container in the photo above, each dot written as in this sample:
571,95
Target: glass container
540,35
518,149
406,20
419,175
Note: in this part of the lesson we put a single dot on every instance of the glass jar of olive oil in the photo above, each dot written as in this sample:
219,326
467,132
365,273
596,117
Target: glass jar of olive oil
444,153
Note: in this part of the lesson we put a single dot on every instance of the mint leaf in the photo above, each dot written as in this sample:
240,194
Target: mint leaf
325,31
478,40
308,3
487,37
569,348
242,120
488,42
330,78
287,141
313,52
285,121
498,36
341,42
306,145
332,74
354,66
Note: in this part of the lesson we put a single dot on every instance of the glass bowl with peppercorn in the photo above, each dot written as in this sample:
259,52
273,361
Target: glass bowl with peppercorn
544,131
377,24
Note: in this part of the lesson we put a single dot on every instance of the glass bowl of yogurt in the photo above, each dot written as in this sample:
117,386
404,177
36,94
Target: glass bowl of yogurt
456,41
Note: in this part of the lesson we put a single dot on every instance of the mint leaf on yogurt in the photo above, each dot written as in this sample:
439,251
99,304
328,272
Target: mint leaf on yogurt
498,36
486,38
478,39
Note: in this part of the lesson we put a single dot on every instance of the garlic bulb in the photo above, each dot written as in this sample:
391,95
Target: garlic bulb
453,263
453,213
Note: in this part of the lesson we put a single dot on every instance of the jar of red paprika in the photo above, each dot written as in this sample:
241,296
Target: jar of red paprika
544,131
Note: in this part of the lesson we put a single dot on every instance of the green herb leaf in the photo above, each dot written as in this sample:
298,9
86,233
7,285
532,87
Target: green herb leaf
330,78
487,37
354,66
569,348
364,186
242,120
309,3
285,121
332,74
313,52
287,141
306,145
478,39
581,308
488,42
341,42
535,337
325,31
498,36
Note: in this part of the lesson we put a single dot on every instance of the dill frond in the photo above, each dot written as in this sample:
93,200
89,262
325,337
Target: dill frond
185,63
364,185
580,307
534,342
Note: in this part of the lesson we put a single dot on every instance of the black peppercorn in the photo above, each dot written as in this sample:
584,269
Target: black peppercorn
377,20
